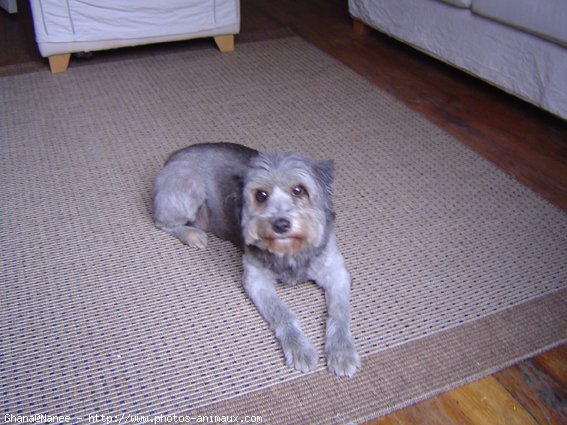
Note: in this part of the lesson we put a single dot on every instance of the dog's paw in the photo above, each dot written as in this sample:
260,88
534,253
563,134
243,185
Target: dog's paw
343,361
301,357
298,351
194,237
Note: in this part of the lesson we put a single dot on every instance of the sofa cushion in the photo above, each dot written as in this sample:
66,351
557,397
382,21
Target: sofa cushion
459,3
545,18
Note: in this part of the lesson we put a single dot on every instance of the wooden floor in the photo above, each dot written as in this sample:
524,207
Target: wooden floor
532,392
527,143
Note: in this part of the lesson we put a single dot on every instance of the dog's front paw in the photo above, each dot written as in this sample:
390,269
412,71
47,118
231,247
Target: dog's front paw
298,351
343,361
301,357
194,237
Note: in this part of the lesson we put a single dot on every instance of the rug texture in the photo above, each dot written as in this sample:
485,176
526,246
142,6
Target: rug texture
458,270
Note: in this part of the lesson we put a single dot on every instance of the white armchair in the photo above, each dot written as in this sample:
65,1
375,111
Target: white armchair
65,27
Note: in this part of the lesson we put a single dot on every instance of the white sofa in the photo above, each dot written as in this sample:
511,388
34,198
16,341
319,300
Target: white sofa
65,27
519,46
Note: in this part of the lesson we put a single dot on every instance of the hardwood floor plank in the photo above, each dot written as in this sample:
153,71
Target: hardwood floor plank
484,402
538,384
554,364
17,43
440,410
535,391
488,402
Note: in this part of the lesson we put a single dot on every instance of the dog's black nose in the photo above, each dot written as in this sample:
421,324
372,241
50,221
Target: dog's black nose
281,225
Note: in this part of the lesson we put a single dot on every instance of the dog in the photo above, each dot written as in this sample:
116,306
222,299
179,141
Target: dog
278,209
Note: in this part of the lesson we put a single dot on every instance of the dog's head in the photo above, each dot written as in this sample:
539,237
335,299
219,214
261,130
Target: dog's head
287,203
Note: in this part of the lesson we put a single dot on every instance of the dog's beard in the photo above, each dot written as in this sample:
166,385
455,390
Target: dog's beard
281,246
307,230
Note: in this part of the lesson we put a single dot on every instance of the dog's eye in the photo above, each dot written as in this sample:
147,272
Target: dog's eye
261,196
298,191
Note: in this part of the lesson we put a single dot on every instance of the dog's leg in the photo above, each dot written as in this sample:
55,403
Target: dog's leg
342,358
190,236
179,205
189,233
260,287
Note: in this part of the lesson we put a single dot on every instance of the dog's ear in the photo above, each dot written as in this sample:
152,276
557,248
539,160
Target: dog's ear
324,171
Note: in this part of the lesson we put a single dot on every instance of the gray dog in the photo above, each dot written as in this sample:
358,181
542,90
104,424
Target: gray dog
278,209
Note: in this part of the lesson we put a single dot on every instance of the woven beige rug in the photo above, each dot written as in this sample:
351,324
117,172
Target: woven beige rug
458,269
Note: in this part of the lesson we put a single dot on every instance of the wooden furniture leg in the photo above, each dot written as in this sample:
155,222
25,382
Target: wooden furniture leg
225,43
59,63
359,27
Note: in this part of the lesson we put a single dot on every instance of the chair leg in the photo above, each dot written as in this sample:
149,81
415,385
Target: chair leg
59,63
225,43
359,27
